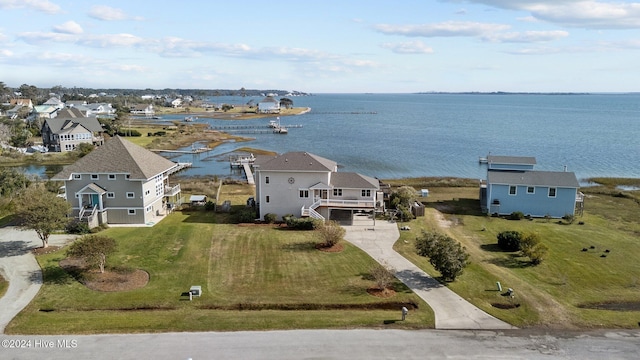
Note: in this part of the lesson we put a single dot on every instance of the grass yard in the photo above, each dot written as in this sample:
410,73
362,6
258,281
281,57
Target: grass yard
561,291
253,278
4,285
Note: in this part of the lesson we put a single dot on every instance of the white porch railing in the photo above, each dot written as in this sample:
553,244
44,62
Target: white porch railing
172,190
370,204
311,213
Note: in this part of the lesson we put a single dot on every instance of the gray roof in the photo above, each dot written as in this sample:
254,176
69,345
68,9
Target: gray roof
119,156
59,125
353,181
295,161
70,113
533,178
526,160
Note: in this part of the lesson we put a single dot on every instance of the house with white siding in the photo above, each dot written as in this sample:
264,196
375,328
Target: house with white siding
308,185
269,105
513,185
120,183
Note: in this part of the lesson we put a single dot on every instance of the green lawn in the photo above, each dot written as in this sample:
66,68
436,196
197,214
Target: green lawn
3,286
552,293
277,274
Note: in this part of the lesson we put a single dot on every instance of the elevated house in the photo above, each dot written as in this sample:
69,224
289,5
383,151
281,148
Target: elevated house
120,183
145,110
70,129
513,185
269,105
307,185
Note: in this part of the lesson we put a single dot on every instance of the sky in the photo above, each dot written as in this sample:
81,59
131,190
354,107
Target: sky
346,46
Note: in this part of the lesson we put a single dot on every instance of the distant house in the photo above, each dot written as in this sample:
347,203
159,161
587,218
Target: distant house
512,185
55,102
269,105
101,109
70,129
120,183
21,102
45,111
145,110
307,185
72,103
175,103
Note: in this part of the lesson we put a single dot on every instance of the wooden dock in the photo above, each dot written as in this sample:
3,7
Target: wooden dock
248,173
192,151
244,162
181,166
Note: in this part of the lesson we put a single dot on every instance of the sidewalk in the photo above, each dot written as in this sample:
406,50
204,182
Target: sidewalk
451,311
19,267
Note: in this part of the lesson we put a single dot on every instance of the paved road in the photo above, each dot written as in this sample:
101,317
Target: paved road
330,344
451,311
20,268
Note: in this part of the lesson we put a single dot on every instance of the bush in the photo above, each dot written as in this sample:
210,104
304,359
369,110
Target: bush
569,218
516,215
286,217
509,240
77,227
444,253
532,248
210,205
303,224
246,216
129,132
383,275
404,213
330,233
270,218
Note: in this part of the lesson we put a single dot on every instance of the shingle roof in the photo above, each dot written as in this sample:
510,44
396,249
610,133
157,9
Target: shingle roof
528,160
58,124
296,161
119,156
353,181
70,113
533,178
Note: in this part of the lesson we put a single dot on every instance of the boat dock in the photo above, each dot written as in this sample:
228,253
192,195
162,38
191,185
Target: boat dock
181,166
253,129
244,162
192,151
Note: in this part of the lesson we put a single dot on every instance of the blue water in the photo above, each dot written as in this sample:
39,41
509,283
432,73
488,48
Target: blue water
411,135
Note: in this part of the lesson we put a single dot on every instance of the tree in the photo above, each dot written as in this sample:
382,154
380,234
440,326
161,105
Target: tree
29,92
404,195
531,247
286,102
12,181
330,233
383,275
41,211
444,253
84,148
510,240
94,249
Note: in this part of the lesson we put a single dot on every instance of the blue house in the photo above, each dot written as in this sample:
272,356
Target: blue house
512,185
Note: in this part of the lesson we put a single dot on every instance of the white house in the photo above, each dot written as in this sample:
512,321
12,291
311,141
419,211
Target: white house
269,105
303,184
143,109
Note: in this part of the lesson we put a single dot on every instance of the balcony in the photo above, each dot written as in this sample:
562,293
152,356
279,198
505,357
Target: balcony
350,204
172,190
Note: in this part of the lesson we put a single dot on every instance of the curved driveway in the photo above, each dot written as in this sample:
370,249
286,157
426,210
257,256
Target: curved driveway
451,311
19,267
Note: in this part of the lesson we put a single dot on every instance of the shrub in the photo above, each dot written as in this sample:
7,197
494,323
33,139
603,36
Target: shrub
246,215
210,205
330,233
270,218
569,218
77,227
444,253
532,248
303,224
383,275
509,240
404,213
286,217
516,215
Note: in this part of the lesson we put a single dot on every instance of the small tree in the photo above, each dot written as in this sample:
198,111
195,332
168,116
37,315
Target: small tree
94,249
383,275
330,234
444,253
42,211
510,240
403,195
531,247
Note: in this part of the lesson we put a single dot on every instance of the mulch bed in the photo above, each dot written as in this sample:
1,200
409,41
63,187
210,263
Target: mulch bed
47,250
381,293
109,281
333,249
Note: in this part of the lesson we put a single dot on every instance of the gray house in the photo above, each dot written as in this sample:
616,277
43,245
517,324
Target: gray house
512,185
120,183
70,129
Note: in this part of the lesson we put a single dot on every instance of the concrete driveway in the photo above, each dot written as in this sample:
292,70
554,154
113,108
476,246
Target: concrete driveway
19,267
451,311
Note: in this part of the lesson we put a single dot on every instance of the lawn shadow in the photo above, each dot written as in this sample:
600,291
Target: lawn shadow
14,248
55,275
457,207
493,248
300,246
511,261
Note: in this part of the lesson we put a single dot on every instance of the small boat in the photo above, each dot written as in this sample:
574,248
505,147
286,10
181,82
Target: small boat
273,124
190,118
280,130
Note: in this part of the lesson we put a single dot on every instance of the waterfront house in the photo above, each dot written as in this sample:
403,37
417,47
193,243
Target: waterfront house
513,185
70,129
269,105
55,102
120,183
303,184
45,111
145,110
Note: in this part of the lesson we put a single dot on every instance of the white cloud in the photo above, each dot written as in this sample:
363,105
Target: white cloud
107,13
6,53
412,47
576,13
128,68
111,40
444,29
526,36
37,37
70,27
38,5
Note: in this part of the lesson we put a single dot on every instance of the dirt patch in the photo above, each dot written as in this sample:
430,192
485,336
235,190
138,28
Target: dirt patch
442,221
47,250
381,293
331,249
109,281
505,306
613,305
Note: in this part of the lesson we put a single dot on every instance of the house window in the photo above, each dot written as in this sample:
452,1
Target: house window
130,195
148,209
531,190
337,192
94,177
366,193
112,176
127,176
304,193
111,195
266,180
552,192
77,176
512,190
131,211
267,198
147,192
